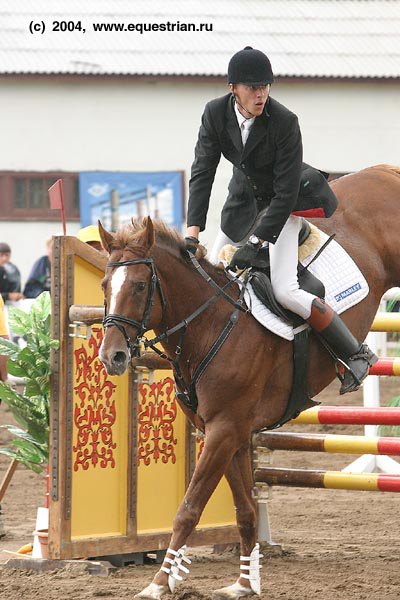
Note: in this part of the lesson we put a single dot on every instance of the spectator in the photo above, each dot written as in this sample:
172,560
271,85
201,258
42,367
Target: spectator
39,279
90,235
10,277
3,376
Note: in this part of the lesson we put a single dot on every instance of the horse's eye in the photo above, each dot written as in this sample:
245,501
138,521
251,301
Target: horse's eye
140,286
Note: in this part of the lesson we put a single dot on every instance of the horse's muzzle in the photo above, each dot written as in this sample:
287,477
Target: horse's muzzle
115,361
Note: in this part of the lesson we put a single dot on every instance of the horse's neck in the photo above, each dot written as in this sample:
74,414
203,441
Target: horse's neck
185,291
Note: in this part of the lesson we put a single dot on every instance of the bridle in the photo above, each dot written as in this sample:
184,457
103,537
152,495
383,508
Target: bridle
185,392
119,321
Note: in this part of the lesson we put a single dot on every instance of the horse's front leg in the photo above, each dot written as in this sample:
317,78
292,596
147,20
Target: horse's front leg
219,447
240,478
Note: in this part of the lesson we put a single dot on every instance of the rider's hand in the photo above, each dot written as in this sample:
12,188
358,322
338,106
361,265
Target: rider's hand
252,254
244,257
191,243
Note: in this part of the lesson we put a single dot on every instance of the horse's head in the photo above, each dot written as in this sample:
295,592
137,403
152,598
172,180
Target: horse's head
132,293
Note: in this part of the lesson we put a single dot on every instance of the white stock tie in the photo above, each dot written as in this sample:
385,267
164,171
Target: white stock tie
245,130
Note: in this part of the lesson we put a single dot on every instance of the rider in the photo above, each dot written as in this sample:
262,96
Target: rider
262,139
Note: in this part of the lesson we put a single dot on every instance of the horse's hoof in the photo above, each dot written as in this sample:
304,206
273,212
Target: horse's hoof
153,592
231,592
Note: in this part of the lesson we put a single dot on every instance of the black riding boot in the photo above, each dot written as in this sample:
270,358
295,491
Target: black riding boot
342,342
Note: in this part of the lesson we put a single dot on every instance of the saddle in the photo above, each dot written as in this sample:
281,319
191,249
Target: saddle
262,287
261,281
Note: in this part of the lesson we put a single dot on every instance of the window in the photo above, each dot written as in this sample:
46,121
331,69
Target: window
24,196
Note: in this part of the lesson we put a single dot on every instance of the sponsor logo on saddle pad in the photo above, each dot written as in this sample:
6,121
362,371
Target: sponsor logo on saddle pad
351,290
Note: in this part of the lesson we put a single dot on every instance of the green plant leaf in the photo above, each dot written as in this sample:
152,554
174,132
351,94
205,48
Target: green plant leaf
14,430
9,395
27,448
32,388
42,306
27,355
16,454
20,321
8,348
16,369
30,444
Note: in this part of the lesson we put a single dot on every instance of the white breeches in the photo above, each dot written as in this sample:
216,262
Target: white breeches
284,259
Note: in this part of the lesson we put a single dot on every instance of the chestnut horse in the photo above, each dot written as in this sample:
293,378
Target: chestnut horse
247,385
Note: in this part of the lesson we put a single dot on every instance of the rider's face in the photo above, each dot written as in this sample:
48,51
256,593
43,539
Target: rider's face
252,98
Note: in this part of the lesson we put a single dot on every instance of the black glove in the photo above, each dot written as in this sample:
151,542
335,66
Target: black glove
249,255
191,244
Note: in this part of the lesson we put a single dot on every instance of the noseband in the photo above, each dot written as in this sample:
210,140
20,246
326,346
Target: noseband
119,321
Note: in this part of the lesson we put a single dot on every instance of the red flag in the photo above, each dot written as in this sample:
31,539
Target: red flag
56,196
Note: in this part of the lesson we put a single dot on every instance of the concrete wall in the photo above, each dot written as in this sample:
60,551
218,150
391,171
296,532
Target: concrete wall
96,124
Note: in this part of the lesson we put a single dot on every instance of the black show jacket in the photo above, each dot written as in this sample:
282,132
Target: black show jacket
267,172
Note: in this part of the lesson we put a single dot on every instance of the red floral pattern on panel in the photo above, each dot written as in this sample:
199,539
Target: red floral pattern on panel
156,416
94,413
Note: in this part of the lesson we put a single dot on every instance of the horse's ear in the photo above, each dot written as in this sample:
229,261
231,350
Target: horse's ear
148,233
105,236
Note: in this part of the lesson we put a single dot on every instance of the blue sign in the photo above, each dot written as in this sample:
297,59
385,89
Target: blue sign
157,194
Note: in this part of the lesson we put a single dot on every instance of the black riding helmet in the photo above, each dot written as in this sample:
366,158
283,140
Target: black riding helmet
251,67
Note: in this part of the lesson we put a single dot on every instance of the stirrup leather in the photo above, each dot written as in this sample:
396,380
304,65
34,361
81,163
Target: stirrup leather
251,564
176,566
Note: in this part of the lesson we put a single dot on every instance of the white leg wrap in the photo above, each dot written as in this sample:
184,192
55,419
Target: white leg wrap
176,566
250,569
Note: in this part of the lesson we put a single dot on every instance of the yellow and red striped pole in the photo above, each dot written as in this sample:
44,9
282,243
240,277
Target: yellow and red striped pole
336,480
349,415
386,366
315,442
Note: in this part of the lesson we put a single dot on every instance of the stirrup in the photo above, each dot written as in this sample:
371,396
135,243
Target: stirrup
252,566
176,566
351,380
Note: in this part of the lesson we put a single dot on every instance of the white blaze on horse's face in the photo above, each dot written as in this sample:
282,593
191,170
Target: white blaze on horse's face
117,281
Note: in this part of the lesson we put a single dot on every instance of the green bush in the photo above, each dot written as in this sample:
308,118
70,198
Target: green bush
31,408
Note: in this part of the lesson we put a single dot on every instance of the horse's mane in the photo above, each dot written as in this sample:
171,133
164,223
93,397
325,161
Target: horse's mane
167,238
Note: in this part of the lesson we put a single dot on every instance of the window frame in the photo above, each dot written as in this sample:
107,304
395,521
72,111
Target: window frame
8,210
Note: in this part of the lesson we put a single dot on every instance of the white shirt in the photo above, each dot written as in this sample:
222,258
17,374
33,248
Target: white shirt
244,124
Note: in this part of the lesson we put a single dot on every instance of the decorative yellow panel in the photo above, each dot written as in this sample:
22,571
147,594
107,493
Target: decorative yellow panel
100,428
160,453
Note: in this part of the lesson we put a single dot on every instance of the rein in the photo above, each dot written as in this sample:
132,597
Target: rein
186,394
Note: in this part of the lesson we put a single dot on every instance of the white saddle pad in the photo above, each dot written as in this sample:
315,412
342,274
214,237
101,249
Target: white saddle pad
344,283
